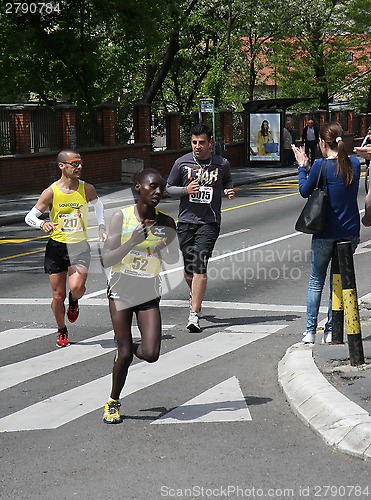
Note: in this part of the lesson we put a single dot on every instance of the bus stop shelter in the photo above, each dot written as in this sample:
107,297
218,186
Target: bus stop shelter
264,122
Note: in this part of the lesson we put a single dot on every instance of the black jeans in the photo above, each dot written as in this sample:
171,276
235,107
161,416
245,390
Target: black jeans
310,150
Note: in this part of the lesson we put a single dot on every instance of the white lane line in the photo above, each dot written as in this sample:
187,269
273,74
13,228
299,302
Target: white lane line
13,374
223,256
222,403
240,250
15,336
232,233
70,405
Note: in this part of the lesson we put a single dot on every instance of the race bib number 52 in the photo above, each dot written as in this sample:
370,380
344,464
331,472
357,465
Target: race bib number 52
204,195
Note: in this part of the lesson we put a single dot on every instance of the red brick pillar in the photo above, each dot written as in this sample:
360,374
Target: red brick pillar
106,121
195,117
172,121
66,123
226,125
362,124
142,123
335,116
350,120
322,117
20,131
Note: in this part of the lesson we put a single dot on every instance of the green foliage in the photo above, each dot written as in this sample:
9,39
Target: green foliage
172,52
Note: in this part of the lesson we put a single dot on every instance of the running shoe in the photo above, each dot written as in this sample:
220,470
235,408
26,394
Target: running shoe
111,413
309,338
73,309
62,339
193,323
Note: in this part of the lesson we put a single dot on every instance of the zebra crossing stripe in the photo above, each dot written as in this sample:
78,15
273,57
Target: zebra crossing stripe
16,373
70,405
15,336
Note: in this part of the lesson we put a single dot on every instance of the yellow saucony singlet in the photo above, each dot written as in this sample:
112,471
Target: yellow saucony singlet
70,212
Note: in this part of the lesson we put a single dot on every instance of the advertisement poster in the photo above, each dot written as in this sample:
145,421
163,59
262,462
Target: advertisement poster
265,137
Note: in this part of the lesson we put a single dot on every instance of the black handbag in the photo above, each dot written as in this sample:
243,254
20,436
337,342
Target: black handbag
313,216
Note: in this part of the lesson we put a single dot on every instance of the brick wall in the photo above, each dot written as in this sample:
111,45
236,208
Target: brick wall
34,172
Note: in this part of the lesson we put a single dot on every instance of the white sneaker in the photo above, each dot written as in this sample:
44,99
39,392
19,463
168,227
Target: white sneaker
327,339
193,323
309,338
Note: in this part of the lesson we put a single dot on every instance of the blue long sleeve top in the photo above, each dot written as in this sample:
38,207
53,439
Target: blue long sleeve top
343,220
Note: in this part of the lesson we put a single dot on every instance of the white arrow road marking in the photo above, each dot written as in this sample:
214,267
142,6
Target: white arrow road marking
222,403
70,405
15,336
11,375
364,247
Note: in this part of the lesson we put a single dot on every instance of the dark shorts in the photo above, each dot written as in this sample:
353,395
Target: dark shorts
138,294
60,256
197,243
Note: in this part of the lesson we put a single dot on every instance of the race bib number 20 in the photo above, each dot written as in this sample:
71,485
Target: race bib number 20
204,195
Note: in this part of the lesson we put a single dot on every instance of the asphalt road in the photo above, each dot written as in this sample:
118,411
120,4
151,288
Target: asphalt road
209,419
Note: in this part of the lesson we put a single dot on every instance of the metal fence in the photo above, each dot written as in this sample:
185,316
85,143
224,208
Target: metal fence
124,126
44,131
4,132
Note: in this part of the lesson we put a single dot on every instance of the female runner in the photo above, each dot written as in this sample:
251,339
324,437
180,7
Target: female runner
139,238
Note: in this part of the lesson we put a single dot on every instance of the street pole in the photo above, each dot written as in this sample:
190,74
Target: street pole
353,324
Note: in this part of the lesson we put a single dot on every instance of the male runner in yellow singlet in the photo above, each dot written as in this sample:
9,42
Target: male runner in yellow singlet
67,251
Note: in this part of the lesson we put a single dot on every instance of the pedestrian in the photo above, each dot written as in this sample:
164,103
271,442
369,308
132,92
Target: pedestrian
367,143
286,146
291,129
364,152
342,219
140,238
220,148
67,253
199,179
310,139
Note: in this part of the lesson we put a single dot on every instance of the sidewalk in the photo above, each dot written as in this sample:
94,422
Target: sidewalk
329,395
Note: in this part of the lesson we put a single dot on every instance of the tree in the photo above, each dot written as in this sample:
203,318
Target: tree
314,61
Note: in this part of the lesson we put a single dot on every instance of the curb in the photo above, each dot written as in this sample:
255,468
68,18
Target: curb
341,423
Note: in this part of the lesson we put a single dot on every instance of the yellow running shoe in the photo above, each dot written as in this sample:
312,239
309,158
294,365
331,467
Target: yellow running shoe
111,413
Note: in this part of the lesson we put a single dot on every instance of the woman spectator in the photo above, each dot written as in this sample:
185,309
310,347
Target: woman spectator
342,222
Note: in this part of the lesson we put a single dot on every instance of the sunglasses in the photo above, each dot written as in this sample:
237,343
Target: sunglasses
74,164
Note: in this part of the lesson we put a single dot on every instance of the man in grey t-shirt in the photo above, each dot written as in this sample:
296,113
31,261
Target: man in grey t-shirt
199,179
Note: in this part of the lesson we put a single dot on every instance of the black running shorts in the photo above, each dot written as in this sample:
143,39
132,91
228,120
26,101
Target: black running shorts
132,292
60,256
197,243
